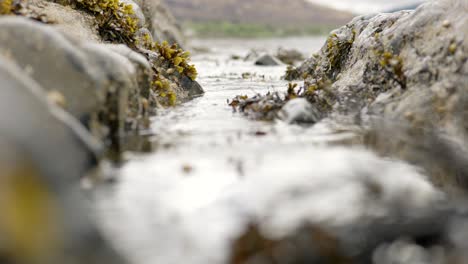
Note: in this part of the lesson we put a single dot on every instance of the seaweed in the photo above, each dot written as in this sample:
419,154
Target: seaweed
176,57
164,90
116,20
337,49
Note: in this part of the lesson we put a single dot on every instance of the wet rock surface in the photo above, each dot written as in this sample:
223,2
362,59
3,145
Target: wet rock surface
405,71
407,66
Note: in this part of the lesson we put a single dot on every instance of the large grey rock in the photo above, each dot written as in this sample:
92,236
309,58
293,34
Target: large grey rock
46,131
409,66
55,63
118,72
101,84
143,67
405,75
74,24
44,152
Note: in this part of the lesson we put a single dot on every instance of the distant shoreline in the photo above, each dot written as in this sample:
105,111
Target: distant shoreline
247,30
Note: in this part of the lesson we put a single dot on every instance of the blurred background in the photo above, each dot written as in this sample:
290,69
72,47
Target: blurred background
274,18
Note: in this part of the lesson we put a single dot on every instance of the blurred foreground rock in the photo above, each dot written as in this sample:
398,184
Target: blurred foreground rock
355,208
44,152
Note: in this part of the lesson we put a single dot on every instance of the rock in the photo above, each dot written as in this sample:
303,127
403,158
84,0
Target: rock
56,64
140,63
299,110
43,218
74,24
379,54
193,88
108,81
140,92
338,244
44,130
289,56
268,60
340,214
162,23
118,71
409,71
44,153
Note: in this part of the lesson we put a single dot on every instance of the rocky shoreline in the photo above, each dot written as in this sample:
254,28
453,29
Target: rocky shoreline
97,61
76,78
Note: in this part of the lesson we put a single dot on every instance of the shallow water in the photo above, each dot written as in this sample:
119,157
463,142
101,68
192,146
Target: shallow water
213,170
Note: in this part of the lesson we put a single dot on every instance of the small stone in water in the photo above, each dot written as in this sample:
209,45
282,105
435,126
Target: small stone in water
299,110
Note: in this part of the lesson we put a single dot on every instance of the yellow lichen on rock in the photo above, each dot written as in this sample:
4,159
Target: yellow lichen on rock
6,7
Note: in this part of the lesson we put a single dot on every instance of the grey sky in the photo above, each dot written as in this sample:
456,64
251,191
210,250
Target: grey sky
365,6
